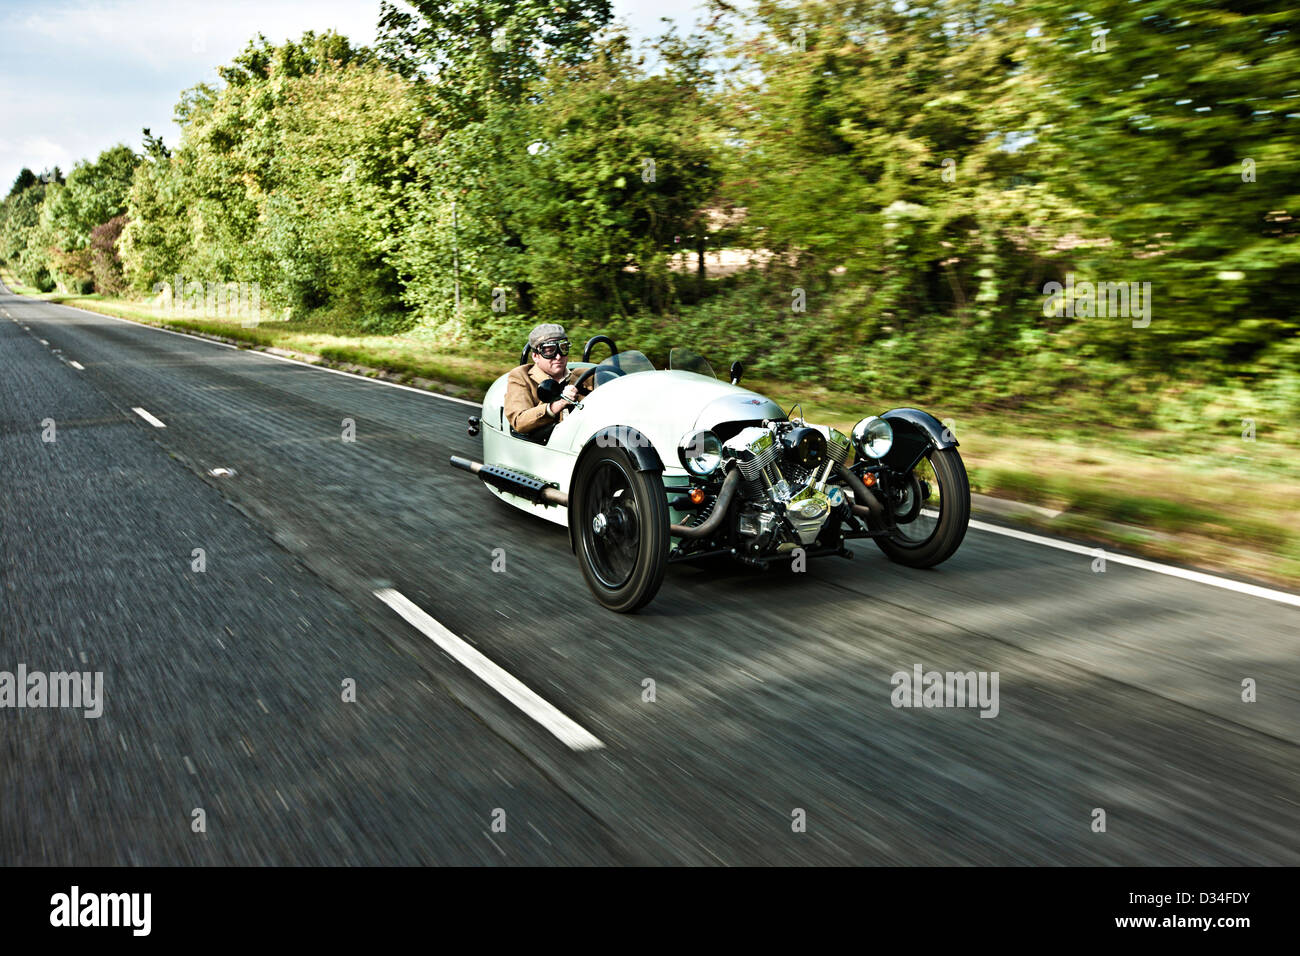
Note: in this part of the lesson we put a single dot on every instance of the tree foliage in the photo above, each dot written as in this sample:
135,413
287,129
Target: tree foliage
572,199
481,55
1180,128
287,176
908,176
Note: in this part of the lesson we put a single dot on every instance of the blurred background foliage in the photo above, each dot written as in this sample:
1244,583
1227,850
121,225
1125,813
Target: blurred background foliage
869,194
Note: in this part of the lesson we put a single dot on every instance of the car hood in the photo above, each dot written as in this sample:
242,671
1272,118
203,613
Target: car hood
666,405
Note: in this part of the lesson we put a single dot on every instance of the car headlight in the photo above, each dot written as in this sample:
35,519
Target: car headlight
873,437
700,453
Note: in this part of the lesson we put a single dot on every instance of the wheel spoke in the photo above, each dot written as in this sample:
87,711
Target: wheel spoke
600,488
613,549
929,512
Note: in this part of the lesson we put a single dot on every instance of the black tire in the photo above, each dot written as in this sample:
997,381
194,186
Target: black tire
620,524
926,541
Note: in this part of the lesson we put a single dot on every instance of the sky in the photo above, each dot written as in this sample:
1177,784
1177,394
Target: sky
78,76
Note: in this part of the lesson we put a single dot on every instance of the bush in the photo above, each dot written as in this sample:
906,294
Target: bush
71,270
105,263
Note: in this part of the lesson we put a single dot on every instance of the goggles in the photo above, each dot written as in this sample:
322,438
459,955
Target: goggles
549,350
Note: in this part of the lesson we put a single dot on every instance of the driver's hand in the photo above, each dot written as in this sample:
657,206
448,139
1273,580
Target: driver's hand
571,393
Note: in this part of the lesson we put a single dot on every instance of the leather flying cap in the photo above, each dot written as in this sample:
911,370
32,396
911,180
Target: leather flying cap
546,332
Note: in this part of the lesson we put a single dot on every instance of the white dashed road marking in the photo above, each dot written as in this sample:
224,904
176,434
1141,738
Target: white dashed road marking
281,358
149,418
504,683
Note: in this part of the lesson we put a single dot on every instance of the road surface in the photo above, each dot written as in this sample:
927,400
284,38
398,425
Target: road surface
772,736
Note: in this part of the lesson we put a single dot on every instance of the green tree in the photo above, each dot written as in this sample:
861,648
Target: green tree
25,179
95,192
570,201
20,216
157,241
288,174
1179,128
888,162
477,54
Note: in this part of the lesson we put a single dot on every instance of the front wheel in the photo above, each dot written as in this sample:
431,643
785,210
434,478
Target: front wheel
620,523
931,511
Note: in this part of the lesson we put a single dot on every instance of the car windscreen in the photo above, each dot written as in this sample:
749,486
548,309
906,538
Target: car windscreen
620,364
684,360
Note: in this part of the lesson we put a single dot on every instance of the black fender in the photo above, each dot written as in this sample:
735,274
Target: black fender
915,433
640,448
637,445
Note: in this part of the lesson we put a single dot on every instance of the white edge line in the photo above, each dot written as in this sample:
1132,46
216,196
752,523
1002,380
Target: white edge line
281,358
1200,577
366,378
77,365
147,417
500,680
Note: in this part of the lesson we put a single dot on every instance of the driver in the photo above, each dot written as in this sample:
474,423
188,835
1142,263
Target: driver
525,410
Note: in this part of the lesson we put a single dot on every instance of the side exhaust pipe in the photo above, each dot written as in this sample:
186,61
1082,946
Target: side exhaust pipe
513,482
716,517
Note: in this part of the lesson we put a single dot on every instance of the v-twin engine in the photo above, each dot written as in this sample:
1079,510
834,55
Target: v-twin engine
784,490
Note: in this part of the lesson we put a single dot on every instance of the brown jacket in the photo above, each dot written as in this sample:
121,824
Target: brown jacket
525,410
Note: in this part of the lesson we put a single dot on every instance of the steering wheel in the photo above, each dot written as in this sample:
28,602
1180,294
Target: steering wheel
577,383
550,390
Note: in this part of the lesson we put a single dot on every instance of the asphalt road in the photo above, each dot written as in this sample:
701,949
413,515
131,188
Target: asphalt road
223,688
